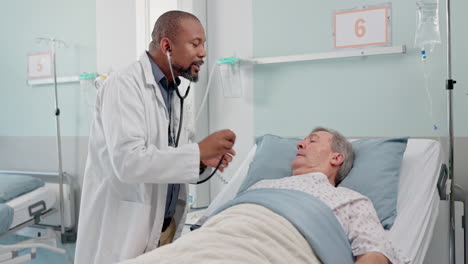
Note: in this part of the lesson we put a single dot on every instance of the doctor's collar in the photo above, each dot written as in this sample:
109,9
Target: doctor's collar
159,76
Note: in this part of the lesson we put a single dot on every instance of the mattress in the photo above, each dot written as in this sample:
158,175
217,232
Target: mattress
418,199
43,197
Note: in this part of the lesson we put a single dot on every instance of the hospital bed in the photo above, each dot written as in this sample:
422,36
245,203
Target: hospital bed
421,191
27,207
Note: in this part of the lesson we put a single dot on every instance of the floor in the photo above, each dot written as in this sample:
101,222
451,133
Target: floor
44,256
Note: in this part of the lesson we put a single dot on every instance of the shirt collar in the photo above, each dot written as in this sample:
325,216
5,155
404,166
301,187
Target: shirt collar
159,76
317,175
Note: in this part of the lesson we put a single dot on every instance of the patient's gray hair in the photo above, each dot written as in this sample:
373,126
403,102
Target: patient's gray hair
341,145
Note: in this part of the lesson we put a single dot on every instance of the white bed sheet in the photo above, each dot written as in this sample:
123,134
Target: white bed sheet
418,199
21,203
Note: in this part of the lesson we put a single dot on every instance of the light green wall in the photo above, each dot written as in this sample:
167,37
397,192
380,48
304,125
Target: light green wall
379,95
29,111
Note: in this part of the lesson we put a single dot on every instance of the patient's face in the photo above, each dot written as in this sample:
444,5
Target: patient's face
313,154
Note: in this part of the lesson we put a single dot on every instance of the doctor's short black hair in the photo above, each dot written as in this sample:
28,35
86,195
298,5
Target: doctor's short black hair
168,26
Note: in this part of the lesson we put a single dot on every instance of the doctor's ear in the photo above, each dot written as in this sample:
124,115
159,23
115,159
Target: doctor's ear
165,45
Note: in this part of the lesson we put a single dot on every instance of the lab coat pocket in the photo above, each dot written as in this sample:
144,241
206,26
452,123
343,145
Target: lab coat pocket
133,229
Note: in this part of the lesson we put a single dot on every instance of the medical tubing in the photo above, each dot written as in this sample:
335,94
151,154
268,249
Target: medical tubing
199,111
431,106
202,104
181,113
428,93
180,122
176,139
213,173
210,78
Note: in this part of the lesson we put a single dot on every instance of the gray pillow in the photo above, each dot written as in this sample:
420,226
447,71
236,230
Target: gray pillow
272,159
12,186
375,172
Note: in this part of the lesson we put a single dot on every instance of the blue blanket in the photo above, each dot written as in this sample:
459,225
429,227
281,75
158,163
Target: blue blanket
311,217
6,217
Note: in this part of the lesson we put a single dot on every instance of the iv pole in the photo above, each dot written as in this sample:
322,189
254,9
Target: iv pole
449,87
54,43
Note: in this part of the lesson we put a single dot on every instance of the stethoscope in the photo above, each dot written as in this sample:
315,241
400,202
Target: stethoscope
181,99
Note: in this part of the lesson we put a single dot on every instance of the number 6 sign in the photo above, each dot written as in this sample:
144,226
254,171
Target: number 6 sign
362,27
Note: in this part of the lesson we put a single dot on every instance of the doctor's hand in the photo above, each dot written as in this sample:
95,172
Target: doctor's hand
227,158
217,144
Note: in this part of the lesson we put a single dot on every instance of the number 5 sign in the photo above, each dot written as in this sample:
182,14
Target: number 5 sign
40,65
362,27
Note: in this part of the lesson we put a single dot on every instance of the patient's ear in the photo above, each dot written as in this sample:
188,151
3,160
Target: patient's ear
337,159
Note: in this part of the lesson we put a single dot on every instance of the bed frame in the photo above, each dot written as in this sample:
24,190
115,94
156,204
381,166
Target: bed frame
459,195
46,233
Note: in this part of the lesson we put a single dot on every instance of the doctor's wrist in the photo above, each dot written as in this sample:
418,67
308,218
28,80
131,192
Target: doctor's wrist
202,165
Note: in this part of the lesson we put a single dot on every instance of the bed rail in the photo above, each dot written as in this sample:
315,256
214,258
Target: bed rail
442,182
67,236
28,223
460,195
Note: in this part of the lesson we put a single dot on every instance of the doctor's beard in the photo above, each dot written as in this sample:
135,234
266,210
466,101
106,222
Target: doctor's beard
187,72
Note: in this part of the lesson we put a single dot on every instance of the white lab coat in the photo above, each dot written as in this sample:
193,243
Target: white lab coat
129,165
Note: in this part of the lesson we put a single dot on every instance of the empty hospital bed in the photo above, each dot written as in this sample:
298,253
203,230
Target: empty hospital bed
27,205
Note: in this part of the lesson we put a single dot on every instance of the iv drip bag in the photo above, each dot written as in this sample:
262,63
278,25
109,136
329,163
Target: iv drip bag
427,27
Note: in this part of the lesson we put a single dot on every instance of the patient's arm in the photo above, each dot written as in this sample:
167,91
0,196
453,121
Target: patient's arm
367,235
372,258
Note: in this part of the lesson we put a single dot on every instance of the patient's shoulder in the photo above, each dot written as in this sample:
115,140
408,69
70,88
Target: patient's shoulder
351,194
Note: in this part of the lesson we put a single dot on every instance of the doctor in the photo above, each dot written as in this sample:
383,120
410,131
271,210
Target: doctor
135,187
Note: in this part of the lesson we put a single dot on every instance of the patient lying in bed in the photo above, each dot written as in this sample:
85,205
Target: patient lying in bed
247,232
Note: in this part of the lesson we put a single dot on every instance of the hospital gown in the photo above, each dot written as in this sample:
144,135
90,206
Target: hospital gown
354,211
